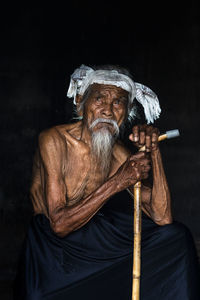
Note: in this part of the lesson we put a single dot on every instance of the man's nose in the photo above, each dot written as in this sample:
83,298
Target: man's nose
107,110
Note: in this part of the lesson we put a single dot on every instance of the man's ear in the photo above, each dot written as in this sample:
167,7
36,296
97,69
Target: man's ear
78,104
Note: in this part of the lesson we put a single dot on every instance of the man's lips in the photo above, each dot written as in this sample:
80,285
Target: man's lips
102,124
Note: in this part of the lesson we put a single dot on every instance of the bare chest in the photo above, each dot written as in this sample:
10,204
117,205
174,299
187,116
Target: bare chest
83,176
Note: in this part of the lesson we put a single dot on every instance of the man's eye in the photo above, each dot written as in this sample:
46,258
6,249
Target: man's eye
117,101
98,99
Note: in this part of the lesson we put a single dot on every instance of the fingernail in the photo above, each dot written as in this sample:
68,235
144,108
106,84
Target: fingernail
131,137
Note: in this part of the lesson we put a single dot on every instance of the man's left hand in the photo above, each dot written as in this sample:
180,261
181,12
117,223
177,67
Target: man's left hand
145,135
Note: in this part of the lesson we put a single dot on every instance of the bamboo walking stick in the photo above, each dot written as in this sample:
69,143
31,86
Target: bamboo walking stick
137,225
136,242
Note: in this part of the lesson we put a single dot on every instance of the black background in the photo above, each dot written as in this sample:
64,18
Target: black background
41,45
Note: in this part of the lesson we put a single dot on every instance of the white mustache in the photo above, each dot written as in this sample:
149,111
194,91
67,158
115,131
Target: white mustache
102,120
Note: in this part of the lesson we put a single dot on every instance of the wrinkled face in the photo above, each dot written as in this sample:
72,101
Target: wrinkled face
105,101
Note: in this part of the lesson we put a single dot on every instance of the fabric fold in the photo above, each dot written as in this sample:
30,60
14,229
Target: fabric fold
95,261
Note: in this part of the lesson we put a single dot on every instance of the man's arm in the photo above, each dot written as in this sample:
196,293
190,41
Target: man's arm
65,219
156,201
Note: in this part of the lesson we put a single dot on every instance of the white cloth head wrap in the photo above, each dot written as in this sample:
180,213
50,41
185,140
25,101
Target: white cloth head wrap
84,76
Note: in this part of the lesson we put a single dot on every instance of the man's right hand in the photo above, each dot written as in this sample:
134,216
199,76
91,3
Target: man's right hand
134,169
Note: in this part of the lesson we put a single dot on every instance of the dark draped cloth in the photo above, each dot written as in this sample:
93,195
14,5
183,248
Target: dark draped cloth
95,262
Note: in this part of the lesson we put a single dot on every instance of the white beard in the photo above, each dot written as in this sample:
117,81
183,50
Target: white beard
102,145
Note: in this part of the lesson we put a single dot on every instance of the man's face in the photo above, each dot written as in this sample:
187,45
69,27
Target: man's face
107,102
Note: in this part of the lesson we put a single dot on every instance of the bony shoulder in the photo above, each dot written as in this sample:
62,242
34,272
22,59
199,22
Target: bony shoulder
58,131
48,134
51,138
63,136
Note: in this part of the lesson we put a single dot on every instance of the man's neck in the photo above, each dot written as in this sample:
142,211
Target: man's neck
86,136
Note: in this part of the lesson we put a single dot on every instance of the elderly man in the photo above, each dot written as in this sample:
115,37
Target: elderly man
80,240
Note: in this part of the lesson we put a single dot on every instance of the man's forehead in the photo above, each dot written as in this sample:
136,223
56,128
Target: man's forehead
96,88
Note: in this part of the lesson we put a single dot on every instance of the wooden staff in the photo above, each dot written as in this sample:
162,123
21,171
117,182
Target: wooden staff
137,225
136,242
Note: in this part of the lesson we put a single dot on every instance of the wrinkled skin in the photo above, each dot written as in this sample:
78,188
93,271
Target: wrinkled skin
68,187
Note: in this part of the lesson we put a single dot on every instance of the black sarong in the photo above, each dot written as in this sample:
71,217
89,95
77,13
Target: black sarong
95,262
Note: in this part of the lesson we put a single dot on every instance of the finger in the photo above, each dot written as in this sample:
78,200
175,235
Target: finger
143,127
148,143
154,140
156,130
131,137
149,129
145,161
145,175
135,133
137,156
133,163
142,138
147,168
154,137
137,172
